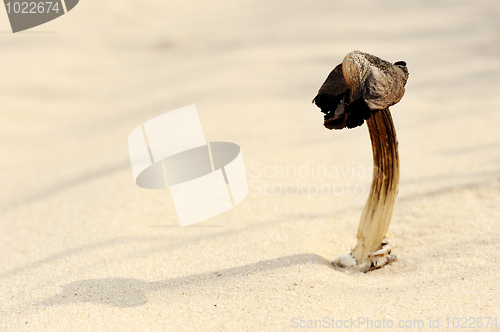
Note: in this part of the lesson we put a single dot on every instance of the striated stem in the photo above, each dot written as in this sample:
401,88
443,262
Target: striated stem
378,210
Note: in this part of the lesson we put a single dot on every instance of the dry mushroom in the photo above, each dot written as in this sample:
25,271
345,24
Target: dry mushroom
363,87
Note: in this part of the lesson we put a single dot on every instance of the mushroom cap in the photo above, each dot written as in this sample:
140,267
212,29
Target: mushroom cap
360,85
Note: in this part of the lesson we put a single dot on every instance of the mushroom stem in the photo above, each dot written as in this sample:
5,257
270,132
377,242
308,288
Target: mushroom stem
378,209
363,87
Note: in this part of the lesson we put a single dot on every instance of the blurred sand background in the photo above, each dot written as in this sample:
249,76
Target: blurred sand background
82,248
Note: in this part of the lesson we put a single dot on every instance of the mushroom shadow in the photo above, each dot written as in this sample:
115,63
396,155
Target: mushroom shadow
131,292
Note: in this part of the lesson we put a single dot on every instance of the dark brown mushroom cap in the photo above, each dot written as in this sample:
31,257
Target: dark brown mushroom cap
360,85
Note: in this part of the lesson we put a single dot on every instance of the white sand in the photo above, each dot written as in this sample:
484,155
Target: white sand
84,249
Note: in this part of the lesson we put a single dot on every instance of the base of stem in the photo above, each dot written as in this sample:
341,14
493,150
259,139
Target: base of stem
375,260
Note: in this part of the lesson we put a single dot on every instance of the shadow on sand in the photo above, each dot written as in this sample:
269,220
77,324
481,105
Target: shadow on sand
123,292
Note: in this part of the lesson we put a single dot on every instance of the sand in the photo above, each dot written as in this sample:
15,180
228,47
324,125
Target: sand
84,249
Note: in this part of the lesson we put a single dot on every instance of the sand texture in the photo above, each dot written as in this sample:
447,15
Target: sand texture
84,249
